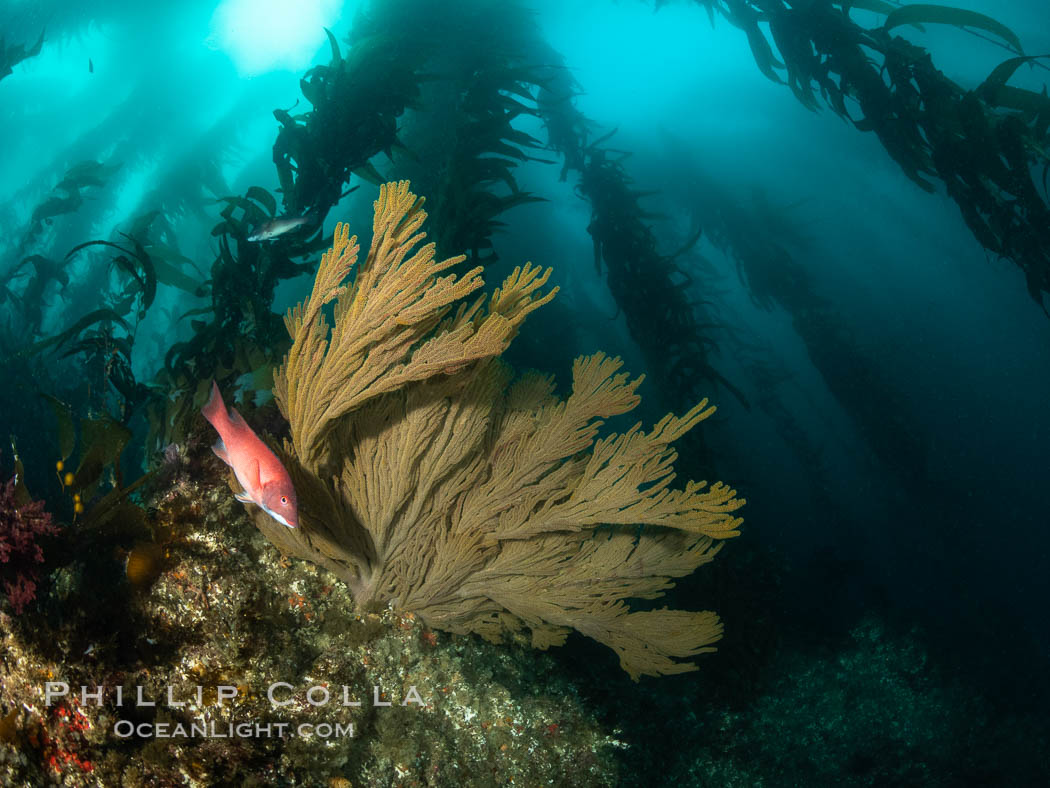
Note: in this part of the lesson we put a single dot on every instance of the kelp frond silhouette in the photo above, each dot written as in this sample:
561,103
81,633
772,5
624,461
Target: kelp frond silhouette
431,481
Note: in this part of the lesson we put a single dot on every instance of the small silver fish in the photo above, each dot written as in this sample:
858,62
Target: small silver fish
275,228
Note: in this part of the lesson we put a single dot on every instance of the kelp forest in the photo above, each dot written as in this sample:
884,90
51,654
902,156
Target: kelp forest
498,524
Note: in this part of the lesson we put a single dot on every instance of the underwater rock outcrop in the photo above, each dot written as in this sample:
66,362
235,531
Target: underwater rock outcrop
428,481
202,607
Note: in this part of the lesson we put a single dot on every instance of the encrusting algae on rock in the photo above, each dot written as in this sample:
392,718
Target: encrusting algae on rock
230,622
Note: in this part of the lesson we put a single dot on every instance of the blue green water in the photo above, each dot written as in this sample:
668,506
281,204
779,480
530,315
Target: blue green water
881,369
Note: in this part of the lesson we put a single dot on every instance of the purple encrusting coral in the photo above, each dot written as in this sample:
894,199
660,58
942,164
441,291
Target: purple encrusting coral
21,525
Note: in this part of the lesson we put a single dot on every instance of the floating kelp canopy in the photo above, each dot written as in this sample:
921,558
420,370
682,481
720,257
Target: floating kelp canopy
987,146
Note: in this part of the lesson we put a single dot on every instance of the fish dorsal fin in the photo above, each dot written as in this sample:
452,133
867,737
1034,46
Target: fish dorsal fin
237,419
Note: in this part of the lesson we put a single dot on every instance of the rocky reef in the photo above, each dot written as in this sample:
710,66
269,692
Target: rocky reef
259,669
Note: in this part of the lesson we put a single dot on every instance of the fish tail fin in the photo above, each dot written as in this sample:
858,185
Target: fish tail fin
215,409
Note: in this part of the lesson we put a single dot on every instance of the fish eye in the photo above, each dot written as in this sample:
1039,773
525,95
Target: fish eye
284,499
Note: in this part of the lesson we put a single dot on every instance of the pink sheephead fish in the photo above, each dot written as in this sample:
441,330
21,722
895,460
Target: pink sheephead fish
265,481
